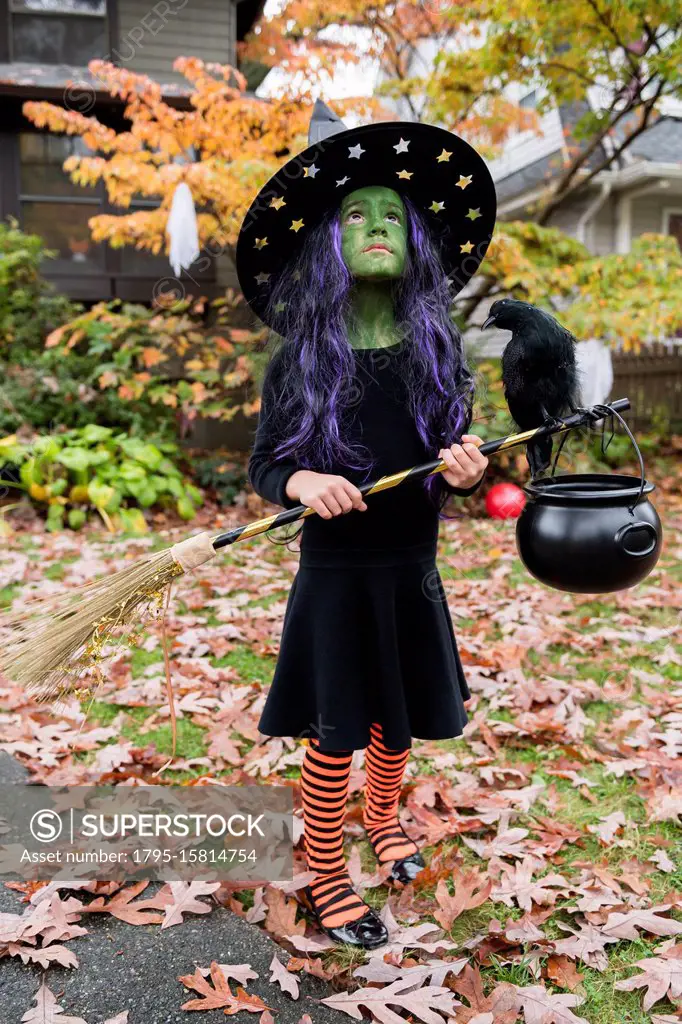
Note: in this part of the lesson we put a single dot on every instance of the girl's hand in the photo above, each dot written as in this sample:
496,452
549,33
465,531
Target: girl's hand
328,494
466,465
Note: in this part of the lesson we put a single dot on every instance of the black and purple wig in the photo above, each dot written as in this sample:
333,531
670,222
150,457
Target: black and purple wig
318,386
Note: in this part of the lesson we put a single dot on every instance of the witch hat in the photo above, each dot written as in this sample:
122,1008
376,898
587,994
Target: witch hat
323,123
442,175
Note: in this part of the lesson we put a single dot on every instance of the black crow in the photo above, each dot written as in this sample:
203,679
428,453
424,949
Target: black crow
539,372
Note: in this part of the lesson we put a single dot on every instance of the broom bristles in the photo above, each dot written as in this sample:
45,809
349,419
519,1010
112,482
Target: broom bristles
56,639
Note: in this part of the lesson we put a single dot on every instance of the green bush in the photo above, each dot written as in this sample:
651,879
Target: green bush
142,370
224,476
29,307
95,469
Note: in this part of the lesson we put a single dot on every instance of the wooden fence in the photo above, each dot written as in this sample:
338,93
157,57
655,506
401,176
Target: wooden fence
652,380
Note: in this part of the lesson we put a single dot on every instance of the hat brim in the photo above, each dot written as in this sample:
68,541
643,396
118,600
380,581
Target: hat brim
441,174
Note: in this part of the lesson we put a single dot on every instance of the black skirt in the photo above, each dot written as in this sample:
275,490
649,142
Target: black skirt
367,640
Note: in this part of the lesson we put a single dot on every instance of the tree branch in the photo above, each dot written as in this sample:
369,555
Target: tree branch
564,190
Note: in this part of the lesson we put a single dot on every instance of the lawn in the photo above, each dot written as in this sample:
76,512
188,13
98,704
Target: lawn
552,829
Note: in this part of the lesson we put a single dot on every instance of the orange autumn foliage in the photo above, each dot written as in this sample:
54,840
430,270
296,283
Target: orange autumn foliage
224,147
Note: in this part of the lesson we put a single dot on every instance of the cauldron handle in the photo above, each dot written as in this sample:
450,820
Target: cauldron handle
639,524
607,410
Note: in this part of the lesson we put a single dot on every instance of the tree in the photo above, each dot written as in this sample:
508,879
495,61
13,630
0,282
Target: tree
225,147
623,56
309,42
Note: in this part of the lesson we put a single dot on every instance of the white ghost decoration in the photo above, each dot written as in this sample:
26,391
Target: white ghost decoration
182,230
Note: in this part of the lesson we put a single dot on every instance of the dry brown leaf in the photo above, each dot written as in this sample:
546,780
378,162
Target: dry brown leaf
184,896
281,916
661,976
472,889
624,926
284,978
220,995
563,972
423,1003
121,906
47,1010
540,1006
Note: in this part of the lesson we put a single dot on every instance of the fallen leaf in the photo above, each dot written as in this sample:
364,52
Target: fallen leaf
563,972
471,890
185,900
420,1002
661,976
121,906
284,978
281,917
624,926
540,1006
47,1010
220,995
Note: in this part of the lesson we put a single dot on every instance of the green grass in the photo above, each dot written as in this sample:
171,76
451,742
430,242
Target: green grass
9,594
250,667
142,659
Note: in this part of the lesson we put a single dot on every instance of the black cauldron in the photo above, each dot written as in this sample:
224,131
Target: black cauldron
589,533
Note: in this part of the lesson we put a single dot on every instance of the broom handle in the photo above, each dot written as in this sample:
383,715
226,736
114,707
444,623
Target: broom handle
291,515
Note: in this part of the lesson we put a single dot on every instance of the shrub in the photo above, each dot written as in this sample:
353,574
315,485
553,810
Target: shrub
94,469
29,307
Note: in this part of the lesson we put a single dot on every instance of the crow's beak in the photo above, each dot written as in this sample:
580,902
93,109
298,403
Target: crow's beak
486,323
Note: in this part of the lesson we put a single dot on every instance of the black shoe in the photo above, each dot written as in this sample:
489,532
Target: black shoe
367,932
407,868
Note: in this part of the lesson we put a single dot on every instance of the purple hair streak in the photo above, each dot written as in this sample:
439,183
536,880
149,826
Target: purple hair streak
318,387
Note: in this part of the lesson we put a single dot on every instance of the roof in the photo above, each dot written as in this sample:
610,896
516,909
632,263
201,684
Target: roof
530,177
55,77
662,143
20,77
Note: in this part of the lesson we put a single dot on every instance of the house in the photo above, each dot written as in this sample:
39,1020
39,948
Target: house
45,46
640,192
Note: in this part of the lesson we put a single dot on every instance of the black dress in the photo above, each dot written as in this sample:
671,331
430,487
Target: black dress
367,633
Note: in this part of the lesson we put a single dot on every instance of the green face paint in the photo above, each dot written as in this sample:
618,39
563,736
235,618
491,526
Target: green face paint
374,233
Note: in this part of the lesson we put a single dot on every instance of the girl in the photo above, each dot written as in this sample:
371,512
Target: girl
368,380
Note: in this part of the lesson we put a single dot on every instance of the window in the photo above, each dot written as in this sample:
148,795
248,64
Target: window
59,31
52,206
675,225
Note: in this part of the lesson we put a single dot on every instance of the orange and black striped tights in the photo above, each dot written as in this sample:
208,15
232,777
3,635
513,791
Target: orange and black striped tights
325,778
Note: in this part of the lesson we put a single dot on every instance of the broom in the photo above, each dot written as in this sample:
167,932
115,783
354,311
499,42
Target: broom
55,639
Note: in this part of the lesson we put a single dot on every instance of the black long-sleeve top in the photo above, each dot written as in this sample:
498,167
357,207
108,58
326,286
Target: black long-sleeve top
399,524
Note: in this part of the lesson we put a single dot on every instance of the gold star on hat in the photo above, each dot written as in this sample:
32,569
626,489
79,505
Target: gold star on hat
260,243
467,247
311,171
278,203
464,181
444,157
474,214
296,225
262,278
436,207
406,175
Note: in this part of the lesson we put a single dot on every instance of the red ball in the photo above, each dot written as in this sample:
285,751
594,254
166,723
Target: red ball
505,501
